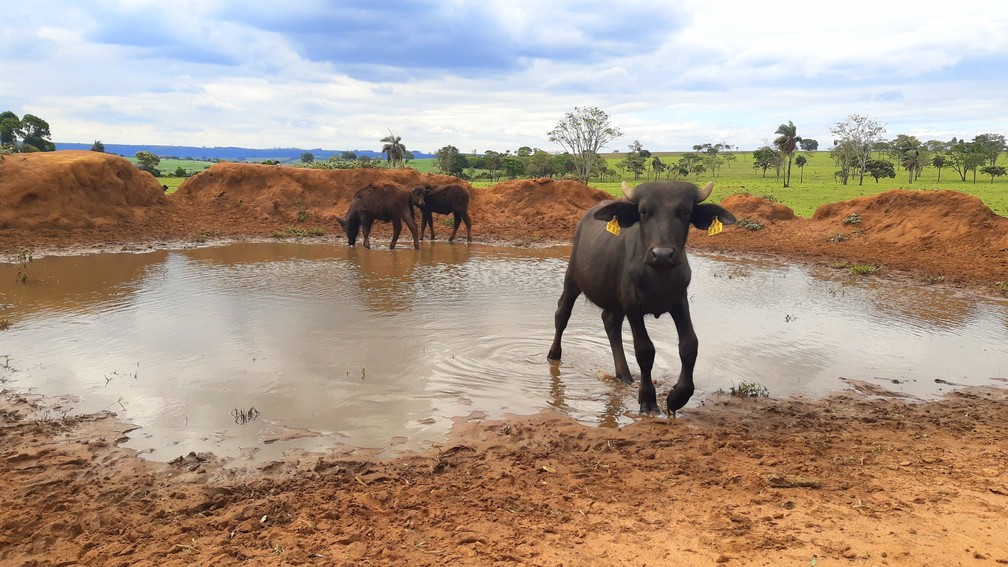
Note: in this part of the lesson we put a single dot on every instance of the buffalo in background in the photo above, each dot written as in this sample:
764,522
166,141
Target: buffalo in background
443,199
383,203
629,258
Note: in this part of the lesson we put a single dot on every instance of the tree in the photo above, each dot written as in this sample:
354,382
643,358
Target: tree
307,157
657,166
582,132
800,161
540,164
393,149
513,167
808,145
857,138
633,163
989,146
786,142
492,161
148,162
880,168
347,155
764,158
10,129
449,161
97,146
909,153
964,157
939,162
994,171
36,134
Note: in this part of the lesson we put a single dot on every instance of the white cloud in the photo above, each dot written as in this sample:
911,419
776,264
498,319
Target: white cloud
499,75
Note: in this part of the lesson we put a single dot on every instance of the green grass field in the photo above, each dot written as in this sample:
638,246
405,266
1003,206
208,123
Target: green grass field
809,188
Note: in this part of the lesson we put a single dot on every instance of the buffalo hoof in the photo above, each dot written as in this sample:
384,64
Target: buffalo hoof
678,397
650,408
628,379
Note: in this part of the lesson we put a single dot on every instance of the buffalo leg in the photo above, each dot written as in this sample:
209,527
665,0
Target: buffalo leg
468,223
565,305
458,221
645,351
428,218
688,346
396,229
411,225
366,229
613,321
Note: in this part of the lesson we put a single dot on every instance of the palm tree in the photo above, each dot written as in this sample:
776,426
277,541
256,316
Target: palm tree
393,149
786,142
800,161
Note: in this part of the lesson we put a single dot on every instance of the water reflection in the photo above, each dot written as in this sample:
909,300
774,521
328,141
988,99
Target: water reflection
73,283
332,344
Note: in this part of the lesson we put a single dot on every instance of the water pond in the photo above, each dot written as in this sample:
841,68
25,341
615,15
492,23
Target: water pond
252,349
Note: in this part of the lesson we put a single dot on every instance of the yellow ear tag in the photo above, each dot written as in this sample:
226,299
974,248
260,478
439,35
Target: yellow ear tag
715,227
613,226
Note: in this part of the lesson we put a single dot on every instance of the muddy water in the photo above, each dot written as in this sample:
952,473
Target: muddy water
335,346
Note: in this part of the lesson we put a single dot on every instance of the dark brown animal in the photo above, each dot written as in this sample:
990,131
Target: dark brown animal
383,203
443,199
638,269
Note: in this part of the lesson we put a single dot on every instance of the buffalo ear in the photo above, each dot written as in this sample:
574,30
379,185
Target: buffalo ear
705,213
625,212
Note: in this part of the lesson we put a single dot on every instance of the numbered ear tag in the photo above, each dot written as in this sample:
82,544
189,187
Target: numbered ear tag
715,227
613,226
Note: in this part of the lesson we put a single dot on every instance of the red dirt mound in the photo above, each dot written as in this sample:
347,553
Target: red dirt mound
757,208
74,190
533,209
273,193
918,218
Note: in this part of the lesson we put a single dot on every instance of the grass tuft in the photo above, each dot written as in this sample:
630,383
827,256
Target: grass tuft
864,269
298,232
748,389
749,224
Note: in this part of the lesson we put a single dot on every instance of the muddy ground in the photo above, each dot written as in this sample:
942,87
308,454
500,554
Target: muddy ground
863,477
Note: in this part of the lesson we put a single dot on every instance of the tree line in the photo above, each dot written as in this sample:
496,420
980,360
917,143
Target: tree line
860,149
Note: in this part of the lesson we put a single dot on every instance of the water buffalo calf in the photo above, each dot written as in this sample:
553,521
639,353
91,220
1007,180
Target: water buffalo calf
629,258
443,199
383,203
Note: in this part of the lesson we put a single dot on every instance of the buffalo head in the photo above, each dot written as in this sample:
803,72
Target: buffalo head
662,212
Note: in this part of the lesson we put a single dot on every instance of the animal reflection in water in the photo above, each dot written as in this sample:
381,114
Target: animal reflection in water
629,258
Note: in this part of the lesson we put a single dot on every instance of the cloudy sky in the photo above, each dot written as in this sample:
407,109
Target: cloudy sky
497,75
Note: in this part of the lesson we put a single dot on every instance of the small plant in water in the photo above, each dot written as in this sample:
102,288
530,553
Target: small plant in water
5,324
749,224
853,219
23,258
748,389
1002,286
243,417
837,237
864,269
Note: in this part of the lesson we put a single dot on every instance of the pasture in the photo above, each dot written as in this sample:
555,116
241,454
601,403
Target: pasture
810,186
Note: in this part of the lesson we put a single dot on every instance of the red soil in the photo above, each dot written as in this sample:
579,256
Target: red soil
860,478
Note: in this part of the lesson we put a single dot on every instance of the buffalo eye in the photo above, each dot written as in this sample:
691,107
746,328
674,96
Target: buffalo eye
642,212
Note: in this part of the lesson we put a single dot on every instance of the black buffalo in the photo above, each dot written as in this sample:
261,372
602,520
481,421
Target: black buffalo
383,203
443,199
643,270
